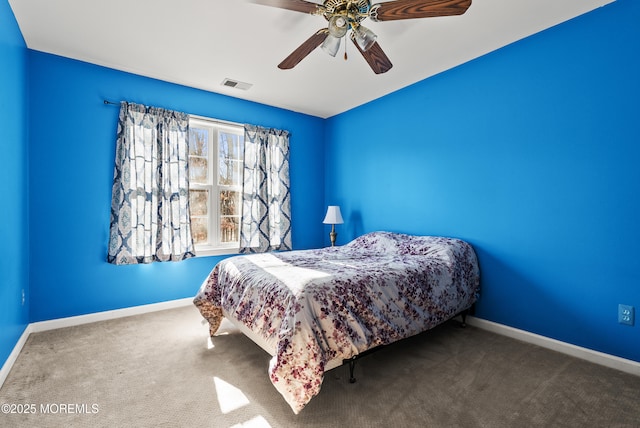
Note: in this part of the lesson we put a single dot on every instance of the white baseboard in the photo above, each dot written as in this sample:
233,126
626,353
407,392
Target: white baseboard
13,356
607,360
37,327
84,319
611,361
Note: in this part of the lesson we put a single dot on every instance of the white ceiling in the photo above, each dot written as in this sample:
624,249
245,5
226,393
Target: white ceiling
244,41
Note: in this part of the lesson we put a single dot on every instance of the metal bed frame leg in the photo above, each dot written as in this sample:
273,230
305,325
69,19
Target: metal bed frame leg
352,360
463,314
352,366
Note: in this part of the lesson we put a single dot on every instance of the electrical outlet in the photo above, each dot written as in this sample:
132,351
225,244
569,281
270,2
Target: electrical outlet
626,314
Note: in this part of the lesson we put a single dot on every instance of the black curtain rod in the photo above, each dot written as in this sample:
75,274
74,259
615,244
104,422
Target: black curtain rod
107,102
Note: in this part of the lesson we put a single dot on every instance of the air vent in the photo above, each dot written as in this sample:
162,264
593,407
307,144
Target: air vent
235,84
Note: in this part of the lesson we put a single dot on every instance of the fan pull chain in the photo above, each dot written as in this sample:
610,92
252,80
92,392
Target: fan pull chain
345,47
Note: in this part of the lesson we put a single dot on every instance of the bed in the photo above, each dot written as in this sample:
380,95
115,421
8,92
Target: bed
314,309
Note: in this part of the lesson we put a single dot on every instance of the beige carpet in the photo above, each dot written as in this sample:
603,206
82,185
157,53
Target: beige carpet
160,370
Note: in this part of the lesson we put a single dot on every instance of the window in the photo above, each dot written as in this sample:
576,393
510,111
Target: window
215,187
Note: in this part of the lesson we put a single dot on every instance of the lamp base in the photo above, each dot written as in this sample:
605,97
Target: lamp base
333,236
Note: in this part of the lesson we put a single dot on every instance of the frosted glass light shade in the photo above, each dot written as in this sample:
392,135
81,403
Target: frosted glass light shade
338,26
365,38
331,45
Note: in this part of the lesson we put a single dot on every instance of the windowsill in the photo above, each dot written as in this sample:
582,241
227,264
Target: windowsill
205,252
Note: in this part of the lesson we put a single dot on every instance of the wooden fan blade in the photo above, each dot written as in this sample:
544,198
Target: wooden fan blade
304,49
409,9
297,5
376,58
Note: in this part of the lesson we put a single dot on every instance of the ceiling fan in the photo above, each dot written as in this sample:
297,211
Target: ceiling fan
346,15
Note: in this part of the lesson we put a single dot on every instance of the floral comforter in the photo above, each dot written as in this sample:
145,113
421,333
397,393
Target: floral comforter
318,305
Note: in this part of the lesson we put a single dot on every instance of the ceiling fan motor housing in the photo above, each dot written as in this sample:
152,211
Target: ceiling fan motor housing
353,10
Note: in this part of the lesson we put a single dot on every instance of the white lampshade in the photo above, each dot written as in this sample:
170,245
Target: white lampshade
333,215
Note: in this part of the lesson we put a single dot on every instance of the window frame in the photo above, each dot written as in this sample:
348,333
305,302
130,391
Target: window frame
215,246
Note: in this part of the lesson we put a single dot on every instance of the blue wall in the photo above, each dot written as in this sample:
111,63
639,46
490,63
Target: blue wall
71,170
14,274
532,154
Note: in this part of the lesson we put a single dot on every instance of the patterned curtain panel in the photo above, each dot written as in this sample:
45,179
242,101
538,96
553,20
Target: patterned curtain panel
150,197
266,203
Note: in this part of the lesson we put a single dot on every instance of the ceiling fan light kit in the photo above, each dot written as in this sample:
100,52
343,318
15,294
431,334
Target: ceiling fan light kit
364,37
338,26
345,15
331,45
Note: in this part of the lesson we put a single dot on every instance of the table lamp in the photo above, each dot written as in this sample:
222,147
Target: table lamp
333,217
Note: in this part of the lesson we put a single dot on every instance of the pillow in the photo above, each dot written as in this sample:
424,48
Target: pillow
433,246
379,242
402,244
